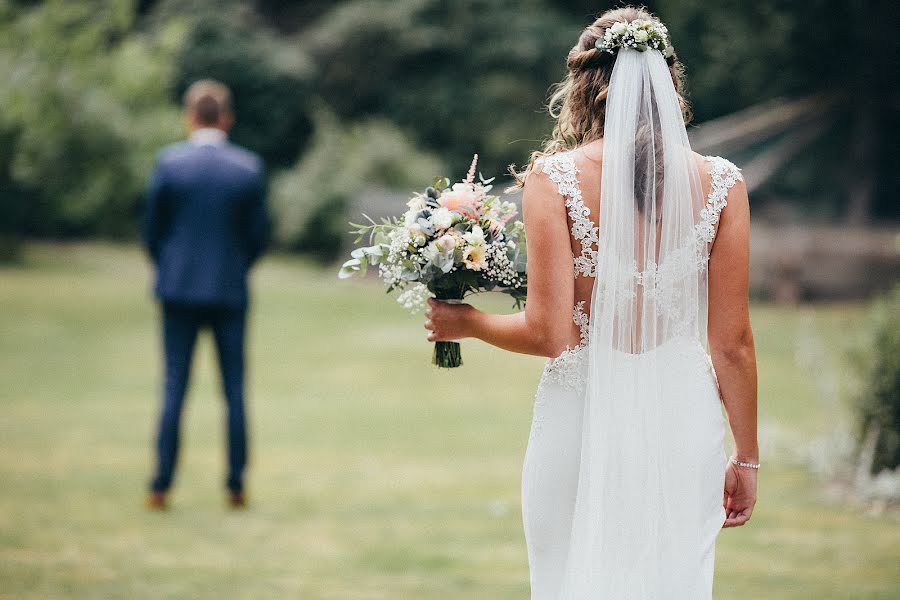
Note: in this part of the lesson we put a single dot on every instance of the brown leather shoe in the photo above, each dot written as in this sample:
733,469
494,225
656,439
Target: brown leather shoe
157,501
237,500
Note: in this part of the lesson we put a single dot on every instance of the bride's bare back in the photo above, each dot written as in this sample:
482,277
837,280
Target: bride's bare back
729,258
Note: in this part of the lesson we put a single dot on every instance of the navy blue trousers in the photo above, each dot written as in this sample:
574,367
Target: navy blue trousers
181,324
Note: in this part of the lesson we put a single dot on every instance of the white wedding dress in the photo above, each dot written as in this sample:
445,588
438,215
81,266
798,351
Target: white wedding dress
623,477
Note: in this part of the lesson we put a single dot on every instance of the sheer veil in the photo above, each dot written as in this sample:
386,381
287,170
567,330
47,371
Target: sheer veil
649,298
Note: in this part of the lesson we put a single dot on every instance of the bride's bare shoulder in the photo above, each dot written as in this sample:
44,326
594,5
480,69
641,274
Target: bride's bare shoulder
591,153
545,182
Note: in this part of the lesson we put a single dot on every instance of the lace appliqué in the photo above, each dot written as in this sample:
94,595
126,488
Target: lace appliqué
723,177
568,369
562,171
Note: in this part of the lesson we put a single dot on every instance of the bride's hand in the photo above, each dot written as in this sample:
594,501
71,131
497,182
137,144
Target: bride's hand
740,494
448,322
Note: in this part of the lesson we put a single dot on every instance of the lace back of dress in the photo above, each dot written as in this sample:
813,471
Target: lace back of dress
563,170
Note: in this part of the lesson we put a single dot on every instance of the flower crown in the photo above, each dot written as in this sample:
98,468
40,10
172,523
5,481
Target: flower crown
640,35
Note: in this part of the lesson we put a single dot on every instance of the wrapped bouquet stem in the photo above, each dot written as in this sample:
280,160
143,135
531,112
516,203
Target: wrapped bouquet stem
453,240
447,355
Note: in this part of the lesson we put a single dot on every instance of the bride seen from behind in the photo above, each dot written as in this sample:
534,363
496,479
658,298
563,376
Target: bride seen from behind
638,259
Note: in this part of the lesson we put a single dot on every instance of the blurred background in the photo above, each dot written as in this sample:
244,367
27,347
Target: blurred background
374,476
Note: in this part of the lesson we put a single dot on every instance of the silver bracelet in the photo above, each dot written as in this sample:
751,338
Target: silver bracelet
748,465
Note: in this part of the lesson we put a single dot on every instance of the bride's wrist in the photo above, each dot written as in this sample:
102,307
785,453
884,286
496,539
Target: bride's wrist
472,318
746,457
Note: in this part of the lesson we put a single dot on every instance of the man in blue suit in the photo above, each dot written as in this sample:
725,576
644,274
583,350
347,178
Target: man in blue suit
204,228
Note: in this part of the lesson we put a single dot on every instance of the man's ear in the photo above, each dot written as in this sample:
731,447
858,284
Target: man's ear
226,121
189,122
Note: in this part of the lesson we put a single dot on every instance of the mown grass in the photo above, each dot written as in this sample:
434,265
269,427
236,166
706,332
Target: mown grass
373,475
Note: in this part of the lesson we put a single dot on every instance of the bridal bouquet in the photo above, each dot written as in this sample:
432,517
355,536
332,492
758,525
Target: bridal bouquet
453,241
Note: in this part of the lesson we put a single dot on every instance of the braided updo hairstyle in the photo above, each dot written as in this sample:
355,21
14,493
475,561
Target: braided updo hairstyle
578,102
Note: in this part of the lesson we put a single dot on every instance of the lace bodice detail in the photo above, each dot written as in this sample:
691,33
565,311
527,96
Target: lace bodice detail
566,369
658,281
562,171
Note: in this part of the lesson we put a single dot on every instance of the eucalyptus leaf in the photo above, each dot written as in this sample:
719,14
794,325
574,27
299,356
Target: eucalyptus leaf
350,268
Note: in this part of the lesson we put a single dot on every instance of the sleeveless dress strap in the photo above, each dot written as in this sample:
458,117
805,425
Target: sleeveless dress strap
723,177
562,171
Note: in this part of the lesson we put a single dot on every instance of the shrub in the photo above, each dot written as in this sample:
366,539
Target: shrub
878,403
311,202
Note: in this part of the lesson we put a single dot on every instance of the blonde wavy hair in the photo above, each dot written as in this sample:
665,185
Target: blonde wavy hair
578,102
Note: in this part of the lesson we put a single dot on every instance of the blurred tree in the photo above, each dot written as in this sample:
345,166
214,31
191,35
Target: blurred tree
92,90
460,77
268,76
742,53
312,199
83,111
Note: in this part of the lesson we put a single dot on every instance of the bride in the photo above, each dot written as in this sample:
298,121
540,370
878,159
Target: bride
637,291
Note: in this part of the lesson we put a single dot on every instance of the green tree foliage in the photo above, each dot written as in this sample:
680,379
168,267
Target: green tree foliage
461,77
312,199
84,109
740,53
270,77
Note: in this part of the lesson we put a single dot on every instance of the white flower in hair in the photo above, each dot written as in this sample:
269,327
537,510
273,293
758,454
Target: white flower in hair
640,35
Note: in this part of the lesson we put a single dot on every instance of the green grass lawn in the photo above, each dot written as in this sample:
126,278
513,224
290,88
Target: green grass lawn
373,476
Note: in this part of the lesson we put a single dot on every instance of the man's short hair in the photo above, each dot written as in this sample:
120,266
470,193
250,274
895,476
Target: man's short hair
207,100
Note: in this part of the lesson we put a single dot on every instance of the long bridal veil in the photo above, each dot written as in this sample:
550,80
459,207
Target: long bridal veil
647,311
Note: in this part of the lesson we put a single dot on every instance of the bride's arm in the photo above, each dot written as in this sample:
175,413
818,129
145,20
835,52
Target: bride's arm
544,328
732,349
730,336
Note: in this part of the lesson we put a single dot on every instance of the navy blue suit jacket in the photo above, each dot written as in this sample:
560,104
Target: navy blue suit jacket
205,222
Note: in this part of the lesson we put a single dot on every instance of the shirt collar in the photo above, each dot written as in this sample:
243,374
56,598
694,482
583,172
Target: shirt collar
208,136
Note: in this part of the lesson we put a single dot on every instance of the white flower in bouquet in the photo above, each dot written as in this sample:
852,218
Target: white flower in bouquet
415,297
416,204
446,242
431,252
475,237
417,235
442,218
474,257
